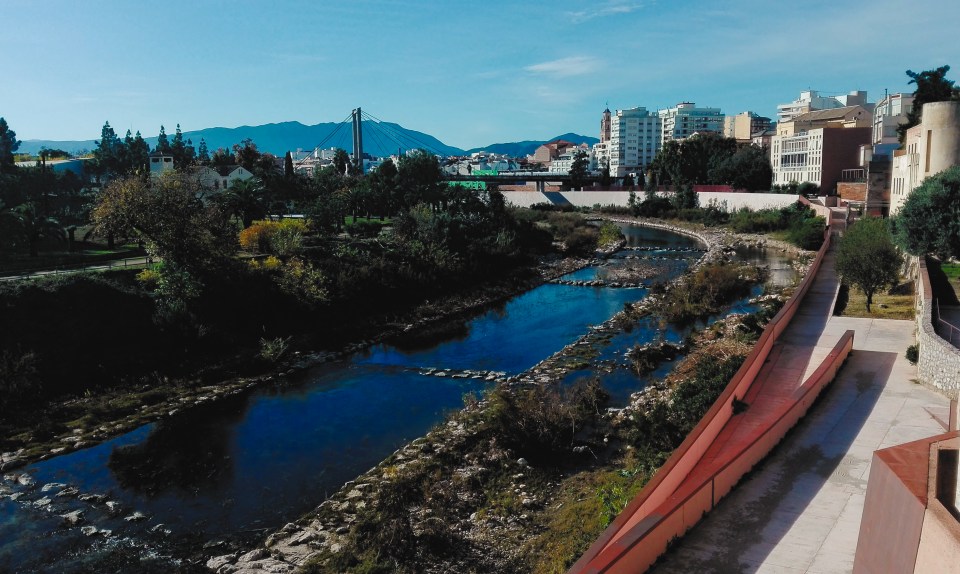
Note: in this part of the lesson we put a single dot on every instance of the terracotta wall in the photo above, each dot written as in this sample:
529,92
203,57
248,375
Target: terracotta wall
659,512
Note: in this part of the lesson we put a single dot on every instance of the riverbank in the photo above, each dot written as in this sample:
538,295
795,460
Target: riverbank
495,504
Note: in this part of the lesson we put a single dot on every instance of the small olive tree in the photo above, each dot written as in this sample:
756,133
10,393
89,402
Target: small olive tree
867,258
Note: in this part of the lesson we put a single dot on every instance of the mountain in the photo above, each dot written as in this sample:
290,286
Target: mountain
525,148
379,138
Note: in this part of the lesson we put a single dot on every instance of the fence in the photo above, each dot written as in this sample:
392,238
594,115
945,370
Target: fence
947,330
87,267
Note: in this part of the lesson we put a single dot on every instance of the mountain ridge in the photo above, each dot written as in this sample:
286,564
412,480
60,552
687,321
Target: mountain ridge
379,138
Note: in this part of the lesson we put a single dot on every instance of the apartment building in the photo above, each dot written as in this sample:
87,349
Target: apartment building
811,101
889,113
818,156
635,139
743,126
686,119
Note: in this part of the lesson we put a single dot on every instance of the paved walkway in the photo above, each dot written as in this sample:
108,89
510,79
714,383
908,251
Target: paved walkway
800,510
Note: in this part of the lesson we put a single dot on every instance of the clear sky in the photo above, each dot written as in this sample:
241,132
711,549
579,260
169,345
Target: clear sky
469,73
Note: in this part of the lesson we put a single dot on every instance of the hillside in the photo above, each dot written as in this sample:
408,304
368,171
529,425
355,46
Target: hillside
383,138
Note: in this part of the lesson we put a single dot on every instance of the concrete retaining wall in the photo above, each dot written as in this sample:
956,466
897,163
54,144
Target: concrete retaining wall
732,200
939,361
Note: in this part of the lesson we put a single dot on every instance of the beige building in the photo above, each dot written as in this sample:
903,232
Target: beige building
550,151
811,101
845,117
743,126
931,146
817,156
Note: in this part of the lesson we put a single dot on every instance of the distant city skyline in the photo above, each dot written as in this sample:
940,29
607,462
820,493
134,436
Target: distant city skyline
469,74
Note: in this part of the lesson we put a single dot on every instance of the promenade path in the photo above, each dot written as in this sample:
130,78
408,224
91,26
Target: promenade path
799,510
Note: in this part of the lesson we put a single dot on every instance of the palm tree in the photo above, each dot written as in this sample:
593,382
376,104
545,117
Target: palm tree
244,199
35,226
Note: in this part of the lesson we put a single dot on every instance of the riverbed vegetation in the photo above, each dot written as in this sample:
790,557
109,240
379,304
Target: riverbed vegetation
229,283
527,476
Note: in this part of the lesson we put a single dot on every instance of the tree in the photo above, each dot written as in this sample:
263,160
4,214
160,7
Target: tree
628,182
244,199
203,155
246,154
8,145
167,214
341,161
932,86
108,155
929,221
182,151
163,144
35,226
420,179
748,168
288,165
686,198
867,258
139,155
578,169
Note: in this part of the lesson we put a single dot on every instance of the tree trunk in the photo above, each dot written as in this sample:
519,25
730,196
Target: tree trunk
869,295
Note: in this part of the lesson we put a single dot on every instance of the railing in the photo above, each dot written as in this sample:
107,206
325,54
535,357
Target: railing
944,328
85,267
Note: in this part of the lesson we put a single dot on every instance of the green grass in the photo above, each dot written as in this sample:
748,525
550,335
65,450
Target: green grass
951,270
884,306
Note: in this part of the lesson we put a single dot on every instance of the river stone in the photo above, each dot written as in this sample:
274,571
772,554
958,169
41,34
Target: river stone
254,555
25,480
216,562
45,501
88,530
68,491
50,486
73,518
137,516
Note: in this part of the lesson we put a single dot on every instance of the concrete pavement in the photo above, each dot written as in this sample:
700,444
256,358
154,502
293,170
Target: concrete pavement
799,511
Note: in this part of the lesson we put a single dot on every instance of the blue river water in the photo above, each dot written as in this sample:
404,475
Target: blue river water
242,466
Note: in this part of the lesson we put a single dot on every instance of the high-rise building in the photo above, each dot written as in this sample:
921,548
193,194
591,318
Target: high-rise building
686,119
635,139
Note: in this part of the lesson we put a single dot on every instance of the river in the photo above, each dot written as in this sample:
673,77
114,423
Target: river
229,472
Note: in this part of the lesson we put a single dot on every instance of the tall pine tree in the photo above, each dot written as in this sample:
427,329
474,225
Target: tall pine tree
8,145
203,155
163,144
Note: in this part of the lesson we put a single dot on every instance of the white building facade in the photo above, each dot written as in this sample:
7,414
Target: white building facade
686,119
635,138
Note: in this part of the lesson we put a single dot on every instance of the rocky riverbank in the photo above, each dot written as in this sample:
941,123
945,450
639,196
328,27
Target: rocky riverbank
488,541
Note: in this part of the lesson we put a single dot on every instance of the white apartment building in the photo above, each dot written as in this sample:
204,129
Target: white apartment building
635,138
811,100
891,111
563,163
686,119
931,146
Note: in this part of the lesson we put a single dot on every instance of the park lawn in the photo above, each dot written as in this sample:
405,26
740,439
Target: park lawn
951,270
884,306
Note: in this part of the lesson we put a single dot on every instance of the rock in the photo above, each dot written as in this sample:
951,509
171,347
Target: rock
303,538
137,516
217,562
45,501
73,518
52,486
25,480
68,492
254,555
88,530
113,506
522,462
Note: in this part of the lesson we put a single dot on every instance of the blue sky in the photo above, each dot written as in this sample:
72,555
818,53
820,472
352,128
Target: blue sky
470,73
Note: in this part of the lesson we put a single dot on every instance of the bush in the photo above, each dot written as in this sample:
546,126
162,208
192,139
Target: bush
913,354
807,233
149,278
272,350
282,238
364,228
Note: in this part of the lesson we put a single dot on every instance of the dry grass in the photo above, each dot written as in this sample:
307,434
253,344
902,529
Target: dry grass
884,306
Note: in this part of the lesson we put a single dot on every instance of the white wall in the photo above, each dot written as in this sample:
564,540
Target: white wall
590,198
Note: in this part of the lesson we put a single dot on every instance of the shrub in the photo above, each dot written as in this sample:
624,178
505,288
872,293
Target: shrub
913,354
282,238
364,228
807,233
149,278
272,350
